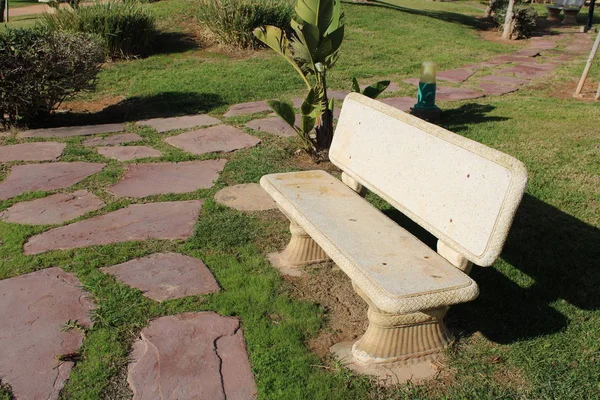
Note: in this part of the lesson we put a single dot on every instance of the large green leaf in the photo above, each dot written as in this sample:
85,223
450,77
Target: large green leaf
284,110
317,12
376,89
355,86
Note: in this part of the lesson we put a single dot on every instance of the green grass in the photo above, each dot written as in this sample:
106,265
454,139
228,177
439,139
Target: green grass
22,3
532,333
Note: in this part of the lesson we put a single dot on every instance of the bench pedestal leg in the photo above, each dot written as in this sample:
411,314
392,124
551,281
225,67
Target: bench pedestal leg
301,250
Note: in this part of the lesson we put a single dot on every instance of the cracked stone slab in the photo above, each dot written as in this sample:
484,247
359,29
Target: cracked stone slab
128,153
492,89
542,44
401,103
42,151
455,75
189,121
525,71
220,138
532,52
274,126
70,131
113,140
41,177
247,108
169,220
455,94
193,356
54,209
165,276
142,180
245,197
504,80
34,308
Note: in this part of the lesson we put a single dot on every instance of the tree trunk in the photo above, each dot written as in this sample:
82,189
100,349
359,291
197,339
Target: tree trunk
325,131
2,9
509,21
489,9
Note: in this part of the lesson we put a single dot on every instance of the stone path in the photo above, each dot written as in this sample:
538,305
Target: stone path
165,276
36,177
128,153
71,131
55,209
42,151
190,121
34,308
196,355
245,197
142,180
113,140
220,138
275,126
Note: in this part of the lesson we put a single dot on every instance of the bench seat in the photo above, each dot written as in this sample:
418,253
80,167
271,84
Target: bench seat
397,272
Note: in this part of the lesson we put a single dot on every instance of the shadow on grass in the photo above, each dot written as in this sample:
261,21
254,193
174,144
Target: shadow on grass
174,42
467,115
167,104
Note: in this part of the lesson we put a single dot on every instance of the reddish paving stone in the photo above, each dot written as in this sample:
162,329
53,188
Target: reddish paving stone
247,108
525,71
220,138
492,89
528,52
128,153
542,44
42,151
195,356
274,126
511,59
34,177
504,80
401,103
55,209
245,197
165,276
454,94
455,75
168,220
70,131
185,122
34,308
142,180
412,81
114,140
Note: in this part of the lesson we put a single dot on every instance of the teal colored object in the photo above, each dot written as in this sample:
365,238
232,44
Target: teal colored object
426,97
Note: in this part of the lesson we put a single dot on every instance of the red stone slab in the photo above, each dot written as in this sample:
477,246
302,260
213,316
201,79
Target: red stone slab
525,71
274,126
245,197
128,153
35,177
142,180
412,81
492,89
54,209
113,140
504,80
42,151
542,44
220,138
392,87
247,108
455,75
34,309
531,52
168,220
455,94
70,131
189,121
401,103
165,276
195,355
511,59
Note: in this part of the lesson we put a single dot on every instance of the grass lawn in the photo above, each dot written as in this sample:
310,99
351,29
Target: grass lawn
534,332
21,3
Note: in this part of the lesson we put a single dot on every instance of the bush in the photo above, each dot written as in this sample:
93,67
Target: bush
524,23
126,29
232,21
39,69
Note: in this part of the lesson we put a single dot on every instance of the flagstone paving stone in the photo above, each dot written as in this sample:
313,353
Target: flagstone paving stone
220,138
531,52
142,180
128,153
168,220
42,151
165,276
504,80
401,103
70,131
525,71
455,75
34,308
245,197
189,121
52,176
453,93
492,89
54,209
247,108
195,355
113,140
392,87
274,126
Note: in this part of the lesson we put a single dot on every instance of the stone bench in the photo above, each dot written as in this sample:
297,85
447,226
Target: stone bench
462,192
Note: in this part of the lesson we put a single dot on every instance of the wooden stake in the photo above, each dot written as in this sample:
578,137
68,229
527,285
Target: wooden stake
588,65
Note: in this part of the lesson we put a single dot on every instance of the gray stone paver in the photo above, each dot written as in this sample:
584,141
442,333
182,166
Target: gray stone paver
128,153
274,126
142,180
189,121
247,108
220,138
168,220
42,151
72,131
54,209
113,140
245,197
34,308
165,276
195,355
52,176
493,89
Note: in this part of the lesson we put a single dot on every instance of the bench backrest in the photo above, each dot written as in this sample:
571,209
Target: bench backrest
464,193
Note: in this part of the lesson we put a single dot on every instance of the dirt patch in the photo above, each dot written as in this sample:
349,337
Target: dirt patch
345,312
91,106
565,90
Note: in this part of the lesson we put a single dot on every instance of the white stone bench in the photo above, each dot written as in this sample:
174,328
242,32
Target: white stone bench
464,193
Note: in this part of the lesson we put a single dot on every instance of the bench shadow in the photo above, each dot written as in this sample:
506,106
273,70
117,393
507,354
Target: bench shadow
167,104
465,116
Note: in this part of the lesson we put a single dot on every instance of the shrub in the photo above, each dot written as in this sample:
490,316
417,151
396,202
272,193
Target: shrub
126,29
232,21
39,69
525,20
